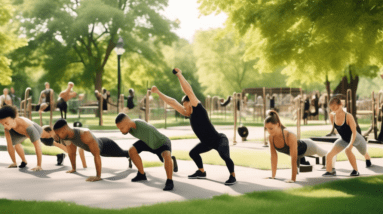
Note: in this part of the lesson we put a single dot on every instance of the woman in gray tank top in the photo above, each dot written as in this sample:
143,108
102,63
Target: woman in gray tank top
17,129
285,142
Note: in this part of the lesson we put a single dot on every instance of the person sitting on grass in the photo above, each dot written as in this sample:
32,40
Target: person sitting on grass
286,142
47,138
83,138
16,130
202,127
150,140
345,124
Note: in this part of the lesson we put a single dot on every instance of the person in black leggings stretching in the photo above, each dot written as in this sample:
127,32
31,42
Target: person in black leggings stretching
202,127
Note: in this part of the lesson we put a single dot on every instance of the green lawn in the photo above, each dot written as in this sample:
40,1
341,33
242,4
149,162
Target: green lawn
358,195
261,159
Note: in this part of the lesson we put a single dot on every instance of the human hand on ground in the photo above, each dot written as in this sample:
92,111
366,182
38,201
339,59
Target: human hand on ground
37,168
93,178
71,171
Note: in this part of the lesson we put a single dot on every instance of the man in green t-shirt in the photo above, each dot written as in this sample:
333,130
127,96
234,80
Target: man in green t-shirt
151,140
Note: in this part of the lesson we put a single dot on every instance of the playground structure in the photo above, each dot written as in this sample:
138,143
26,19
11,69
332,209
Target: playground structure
265,94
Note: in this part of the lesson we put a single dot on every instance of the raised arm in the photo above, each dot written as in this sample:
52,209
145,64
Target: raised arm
186,88
170,101
89,140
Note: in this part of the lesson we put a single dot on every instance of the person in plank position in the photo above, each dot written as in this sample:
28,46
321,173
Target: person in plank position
47,138
285,142
150,140
202,127
83,138
16,130
64,96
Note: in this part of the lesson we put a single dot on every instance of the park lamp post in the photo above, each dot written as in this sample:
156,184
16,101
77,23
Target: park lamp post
119,51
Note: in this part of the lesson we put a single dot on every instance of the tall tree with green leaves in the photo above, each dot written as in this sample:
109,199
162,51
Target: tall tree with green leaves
85,32
8,41
314,40
222,68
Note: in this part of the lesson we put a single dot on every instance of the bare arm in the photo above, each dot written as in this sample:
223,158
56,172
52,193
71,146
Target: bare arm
293,144
274,158
186,88
11,150
170,101
37,146
352,124
72,156
88,139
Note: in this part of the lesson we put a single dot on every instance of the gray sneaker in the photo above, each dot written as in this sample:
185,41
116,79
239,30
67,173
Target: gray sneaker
329,174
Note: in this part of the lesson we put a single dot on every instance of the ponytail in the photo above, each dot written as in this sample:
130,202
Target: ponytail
273,117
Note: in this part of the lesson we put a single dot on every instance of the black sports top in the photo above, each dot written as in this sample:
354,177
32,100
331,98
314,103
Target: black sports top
344,130
302,147
202,126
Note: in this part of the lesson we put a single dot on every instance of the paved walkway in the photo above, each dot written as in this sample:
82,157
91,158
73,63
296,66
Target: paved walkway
117,191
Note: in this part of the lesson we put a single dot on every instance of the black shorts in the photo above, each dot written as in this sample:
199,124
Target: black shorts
47,109
61,104
141,146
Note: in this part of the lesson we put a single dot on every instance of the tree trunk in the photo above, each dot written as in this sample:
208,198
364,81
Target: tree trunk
98,80
327,83
342,89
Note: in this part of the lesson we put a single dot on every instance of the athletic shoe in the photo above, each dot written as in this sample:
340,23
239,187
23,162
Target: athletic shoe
368,163
175,166
139,177
22,165
329,174
354,173
231,181
304,162
60,158
168,185
198,174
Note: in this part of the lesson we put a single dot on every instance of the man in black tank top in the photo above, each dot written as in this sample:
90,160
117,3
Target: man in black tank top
202,127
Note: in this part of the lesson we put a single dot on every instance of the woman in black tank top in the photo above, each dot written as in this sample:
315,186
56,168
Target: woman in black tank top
283,141
346,127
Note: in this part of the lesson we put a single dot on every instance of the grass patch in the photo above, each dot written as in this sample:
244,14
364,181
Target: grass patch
359,195
183,137
261,159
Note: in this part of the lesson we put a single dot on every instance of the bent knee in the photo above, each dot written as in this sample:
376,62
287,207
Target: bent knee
132,150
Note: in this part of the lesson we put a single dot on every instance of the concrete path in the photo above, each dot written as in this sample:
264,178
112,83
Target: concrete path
117,191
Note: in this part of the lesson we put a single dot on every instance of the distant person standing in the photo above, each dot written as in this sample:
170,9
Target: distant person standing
15,100
5,99
130,104
64,96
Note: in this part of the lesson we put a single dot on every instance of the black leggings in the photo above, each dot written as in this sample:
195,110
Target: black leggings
222,148
111,149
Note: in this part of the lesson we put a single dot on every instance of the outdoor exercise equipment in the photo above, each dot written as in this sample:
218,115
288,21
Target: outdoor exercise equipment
262,93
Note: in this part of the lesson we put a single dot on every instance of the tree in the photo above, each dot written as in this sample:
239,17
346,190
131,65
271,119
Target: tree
314,40
8,41
222,68
85,32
